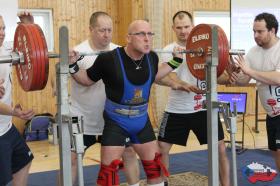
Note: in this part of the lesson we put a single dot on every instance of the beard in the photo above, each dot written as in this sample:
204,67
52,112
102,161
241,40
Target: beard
1,42
264,41
260,44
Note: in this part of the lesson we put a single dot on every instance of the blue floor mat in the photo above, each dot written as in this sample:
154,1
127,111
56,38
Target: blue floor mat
195,161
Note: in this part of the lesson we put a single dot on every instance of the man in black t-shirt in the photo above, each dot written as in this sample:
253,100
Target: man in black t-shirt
128,73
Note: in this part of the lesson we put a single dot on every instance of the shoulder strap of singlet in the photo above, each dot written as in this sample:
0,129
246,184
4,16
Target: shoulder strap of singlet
117,64
151,60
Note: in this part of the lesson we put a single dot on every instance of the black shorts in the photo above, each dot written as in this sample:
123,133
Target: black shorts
90,140
14,155
273,132
114,135
175,128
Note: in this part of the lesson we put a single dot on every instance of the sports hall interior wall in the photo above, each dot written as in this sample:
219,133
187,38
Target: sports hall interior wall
75,15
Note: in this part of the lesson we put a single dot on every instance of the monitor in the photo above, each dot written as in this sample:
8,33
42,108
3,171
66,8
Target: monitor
239,97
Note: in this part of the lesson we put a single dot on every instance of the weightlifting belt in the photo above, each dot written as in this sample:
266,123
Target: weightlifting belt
125,110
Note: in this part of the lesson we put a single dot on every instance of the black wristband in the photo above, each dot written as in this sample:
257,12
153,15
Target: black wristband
178,60
74,68
175,62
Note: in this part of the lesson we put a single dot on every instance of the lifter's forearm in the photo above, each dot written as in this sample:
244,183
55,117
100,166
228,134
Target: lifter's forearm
82,78
166,81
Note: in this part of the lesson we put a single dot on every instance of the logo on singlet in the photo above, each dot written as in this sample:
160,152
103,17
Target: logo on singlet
137,97
29,153
127,140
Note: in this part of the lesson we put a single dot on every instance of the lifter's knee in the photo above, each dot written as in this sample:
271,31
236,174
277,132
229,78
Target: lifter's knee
108,174
164,147
154,167
129,153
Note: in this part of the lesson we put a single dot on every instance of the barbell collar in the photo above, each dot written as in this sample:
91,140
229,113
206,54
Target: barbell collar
53,55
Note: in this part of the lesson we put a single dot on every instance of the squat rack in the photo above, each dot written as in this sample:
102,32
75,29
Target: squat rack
63,117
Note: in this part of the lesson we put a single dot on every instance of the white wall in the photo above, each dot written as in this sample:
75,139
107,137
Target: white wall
219,18
9,10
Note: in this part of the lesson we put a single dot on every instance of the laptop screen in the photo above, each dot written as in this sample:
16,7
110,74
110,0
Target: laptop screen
239,97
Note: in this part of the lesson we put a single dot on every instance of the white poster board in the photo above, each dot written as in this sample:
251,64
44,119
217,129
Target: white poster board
243,14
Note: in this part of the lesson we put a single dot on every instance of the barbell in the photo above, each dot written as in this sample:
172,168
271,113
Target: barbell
31,58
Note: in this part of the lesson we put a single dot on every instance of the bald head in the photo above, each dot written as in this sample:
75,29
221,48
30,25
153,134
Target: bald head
137,25
139,38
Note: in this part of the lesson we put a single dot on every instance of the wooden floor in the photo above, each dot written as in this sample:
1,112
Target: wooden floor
47,154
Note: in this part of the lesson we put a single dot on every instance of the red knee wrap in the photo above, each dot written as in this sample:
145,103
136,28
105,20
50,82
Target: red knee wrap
153,167
108,174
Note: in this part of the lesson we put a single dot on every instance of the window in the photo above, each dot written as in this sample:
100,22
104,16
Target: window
219,18
43,17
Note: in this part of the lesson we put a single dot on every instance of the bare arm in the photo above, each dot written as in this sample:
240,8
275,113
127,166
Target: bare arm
2,89
243,79
6,109
16,111
233,75
270,78
82,78
175,83
165,68
228,77
166,81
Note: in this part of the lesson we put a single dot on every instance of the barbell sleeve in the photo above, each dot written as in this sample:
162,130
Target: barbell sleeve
53,55
236,52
